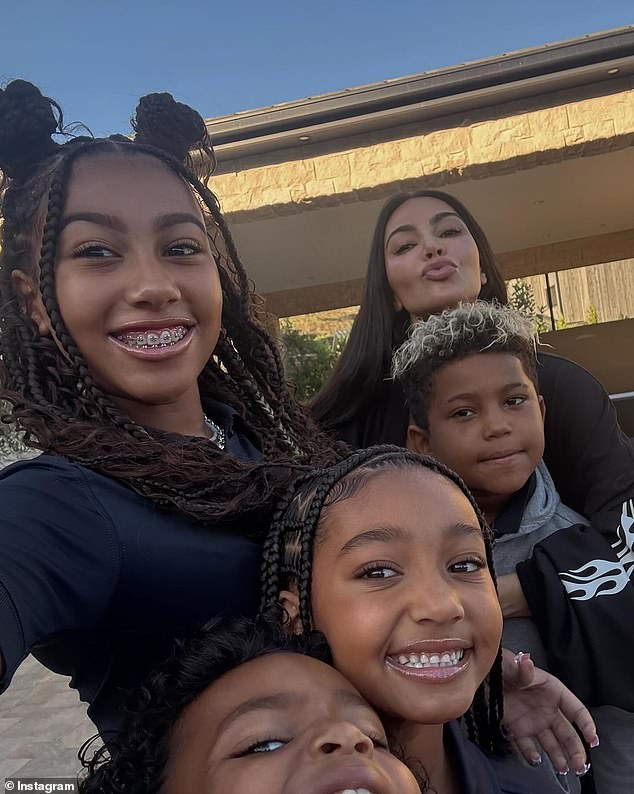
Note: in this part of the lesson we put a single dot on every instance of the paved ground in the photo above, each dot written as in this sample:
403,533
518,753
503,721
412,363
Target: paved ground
42,725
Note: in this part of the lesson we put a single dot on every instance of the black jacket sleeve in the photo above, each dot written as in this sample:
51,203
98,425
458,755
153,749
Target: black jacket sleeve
58,558
580,591
578,583
589,457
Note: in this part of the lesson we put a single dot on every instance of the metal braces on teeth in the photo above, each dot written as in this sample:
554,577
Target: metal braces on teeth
164,338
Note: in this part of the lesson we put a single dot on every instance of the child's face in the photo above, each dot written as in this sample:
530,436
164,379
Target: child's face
282,724
136,281
402,591
486,423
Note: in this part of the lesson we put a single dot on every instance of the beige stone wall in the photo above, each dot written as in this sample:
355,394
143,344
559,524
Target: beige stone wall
523,135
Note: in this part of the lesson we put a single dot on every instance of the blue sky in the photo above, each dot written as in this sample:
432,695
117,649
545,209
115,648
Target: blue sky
97,58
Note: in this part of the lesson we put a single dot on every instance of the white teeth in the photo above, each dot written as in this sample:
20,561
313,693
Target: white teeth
162,338
418,661
355,791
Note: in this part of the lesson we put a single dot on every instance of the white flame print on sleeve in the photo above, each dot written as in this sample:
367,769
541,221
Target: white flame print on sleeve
603,577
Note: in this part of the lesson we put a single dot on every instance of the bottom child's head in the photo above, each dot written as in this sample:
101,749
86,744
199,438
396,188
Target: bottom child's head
470,378
250,710
386,554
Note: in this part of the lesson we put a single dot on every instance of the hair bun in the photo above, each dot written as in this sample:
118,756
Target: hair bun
27,121
169,125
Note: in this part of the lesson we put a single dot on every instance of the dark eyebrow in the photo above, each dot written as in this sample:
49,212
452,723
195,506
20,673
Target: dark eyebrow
174,218
408,227
469,395
461,530
444,214
464,396
283,701
376,535
279,701
93,217
391,534
109,221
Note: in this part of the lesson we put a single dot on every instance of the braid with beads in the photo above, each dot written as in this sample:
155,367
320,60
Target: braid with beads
297,525
53,398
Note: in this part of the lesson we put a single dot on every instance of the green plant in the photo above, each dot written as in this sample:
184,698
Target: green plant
560,323
522,298
308,359
592,315
339,341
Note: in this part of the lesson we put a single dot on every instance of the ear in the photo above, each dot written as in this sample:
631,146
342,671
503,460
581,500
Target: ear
483,278
542,406
24,286
418,440
289,601
398,306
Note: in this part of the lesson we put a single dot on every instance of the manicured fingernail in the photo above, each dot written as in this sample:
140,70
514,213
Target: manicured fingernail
595,742
519,655
563,771
584,770
536,760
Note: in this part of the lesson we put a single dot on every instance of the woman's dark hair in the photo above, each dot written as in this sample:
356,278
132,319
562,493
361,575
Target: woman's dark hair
379,329
54,400
134,760
298,524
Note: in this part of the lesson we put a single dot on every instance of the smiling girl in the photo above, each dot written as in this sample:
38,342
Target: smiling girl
129,355
387,554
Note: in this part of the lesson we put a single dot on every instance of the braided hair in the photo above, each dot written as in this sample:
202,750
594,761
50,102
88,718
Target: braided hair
299,523
134,761
53,399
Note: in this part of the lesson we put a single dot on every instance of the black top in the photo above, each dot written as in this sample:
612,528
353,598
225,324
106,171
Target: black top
483,773
509,519
96,580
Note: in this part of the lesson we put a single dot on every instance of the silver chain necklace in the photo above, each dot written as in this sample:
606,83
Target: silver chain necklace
217,433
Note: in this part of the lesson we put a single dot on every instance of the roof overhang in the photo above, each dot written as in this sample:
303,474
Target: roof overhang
554,67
